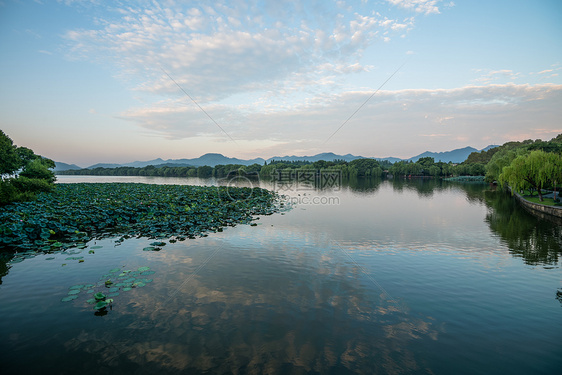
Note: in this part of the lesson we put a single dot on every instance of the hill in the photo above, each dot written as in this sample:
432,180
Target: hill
214,159
60,166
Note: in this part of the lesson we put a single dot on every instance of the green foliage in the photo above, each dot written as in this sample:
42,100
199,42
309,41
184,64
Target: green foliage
537,170
38,169
365,168
482,157
23,172
75,213
505,154
10,161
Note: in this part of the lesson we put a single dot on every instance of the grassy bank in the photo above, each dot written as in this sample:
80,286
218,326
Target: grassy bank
75,213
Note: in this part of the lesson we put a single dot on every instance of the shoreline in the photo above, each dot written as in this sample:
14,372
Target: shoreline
552,213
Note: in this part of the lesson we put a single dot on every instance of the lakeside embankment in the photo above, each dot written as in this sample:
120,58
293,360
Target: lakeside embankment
543,211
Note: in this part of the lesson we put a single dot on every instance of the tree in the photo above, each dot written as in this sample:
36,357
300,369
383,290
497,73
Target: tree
23,172
10,161
38,168
536,170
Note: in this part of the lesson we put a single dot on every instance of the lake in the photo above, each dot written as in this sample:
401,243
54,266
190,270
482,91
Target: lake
359,277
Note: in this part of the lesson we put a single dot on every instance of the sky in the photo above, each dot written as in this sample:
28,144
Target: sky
90,81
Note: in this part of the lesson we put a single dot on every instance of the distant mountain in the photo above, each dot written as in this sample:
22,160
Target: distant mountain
456,156
327,156
210,159
60,166
213,159
104,165
489,147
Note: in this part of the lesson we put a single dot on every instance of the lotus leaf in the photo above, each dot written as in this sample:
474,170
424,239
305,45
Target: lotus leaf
100,305
69,298
99,296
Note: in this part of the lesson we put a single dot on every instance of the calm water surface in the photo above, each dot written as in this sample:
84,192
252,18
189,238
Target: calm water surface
371,277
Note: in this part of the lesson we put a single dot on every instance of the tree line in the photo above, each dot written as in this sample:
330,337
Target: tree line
23,173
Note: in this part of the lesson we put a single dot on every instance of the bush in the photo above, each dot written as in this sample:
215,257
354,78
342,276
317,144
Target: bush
9,192
34,185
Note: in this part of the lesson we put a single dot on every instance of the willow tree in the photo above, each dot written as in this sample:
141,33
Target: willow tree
536,170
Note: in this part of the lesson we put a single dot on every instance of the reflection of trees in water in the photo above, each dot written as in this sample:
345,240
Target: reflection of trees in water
4,258
362,185
319,320
424,187
538,242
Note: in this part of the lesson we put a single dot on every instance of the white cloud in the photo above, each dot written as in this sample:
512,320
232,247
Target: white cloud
420,6
215,51
496,75
434,119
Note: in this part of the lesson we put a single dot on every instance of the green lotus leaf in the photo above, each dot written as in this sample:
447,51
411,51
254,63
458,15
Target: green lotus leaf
96,247
126,289
114,270
142,269
91,301
114,294
100,305
69,298
146,273
49,258
73,291
149,248
99,296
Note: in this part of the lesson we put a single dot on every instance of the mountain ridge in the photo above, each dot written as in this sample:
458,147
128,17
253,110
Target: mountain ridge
213,159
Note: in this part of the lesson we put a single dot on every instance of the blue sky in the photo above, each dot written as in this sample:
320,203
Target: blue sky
89,81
